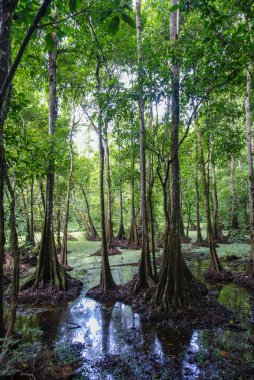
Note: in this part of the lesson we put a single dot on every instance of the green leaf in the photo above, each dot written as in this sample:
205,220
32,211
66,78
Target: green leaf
117,3
73,5
113,26
128,20
127,6
174,7
49,41
106,14
78,5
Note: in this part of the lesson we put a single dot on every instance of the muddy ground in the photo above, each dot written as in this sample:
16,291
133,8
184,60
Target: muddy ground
88,340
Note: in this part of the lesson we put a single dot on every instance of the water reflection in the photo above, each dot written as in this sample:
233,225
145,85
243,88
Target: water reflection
115,344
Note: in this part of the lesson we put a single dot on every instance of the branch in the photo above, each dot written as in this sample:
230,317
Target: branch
193,114
99,45
63,19
9,77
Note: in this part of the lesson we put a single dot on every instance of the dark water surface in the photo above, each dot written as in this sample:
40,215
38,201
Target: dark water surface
114,344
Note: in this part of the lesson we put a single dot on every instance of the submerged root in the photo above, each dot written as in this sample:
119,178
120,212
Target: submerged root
97,293
125,244
185,239
244,281
141,285
50,294
213,275
92,237
112,250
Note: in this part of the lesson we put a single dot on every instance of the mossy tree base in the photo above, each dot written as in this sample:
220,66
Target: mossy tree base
112,250
214,275
48,271
178,290
51,294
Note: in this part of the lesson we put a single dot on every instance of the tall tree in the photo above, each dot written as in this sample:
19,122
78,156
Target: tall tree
144,278
64,259
234,221
177,287
49,271
216,220
133,237
7,73
106,278
250,269
215,262
91,233
199,234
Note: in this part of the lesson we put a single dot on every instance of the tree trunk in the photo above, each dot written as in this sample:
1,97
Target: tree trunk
188,221
64,260
49,271
144,278
15,255
234,221
199,234
151,223
91,233
121,231
6,10
177,287
32,212
216,220
183,236
42,194
58,229
28,229
106,278
250,269
134,238
150,209
109,224
215,262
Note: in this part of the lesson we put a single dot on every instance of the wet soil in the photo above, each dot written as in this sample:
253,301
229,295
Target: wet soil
125,244
213,275
207,313
111,341
245,281
50,294
113,250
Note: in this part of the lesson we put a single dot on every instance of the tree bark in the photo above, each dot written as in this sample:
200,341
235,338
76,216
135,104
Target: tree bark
150,209
49,271
215,262
42,194
189,219
109,224
6,76
216,220
250,269
28,229
121,231
91,233
177,287
58,228
15,255
64,260
106,278
199,234
144,278
6,10
134,238
32,212
234,221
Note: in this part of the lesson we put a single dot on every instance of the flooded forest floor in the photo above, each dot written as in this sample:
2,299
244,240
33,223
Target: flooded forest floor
84,339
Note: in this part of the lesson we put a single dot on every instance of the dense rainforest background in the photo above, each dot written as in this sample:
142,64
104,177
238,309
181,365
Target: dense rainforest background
126,189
